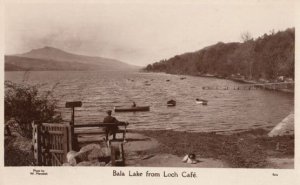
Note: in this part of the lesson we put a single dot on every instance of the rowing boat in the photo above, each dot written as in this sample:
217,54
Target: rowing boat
132,109
201,101
171,103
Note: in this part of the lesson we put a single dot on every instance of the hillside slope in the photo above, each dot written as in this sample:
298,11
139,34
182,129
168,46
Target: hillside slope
15,63
267,57
49,58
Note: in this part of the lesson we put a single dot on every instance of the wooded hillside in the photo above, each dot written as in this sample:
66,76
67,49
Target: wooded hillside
266,57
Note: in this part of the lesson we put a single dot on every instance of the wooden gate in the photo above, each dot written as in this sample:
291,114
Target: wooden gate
51,143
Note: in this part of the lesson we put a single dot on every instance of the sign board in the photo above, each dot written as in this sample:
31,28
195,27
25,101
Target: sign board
73,104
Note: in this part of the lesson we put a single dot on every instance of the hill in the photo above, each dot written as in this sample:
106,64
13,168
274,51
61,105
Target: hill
16,63
266,57
12,67
49,58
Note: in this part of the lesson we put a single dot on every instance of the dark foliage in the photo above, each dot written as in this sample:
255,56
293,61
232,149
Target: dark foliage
24,104
266,57
18,151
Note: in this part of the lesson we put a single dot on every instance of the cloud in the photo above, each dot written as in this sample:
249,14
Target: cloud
137,33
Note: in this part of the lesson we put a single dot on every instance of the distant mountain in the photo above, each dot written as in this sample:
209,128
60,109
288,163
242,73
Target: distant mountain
49,58
266,57
12,67
16,63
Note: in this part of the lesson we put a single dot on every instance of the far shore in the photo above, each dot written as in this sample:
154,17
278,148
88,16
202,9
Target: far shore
239,80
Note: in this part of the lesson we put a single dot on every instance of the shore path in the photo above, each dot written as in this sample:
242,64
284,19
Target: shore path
138,153
167,149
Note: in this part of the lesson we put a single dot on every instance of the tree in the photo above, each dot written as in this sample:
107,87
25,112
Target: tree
24,104
246,36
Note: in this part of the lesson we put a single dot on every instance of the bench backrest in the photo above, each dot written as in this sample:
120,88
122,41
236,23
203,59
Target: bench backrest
99,124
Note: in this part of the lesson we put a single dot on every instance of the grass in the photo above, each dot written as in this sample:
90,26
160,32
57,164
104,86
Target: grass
248,149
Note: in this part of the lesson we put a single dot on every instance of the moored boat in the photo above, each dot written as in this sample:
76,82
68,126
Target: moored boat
171,103
132,109
201,101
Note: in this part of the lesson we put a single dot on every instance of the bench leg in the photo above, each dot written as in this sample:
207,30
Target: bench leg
124,137
106,136
113,156
122,155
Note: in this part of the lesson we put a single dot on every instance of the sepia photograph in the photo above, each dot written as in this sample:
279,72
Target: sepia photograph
183,84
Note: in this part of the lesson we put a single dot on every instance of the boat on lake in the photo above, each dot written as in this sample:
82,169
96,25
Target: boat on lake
132,109
201,101
171,103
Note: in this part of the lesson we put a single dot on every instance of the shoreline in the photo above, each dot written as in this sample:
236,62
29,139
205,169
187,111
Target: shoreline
238,80
243,81
166,148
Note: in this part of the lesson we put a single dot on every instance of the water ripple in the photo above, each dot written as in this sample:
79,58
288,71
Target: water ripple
227,111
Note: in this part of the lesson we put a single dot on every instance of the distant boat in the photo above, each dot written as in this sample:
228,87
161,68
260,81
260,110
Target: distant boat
171,103
182,78
201,101
132,109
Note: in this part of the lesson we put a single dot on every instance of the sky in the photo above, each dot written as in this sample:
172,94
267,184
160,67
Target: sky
140,33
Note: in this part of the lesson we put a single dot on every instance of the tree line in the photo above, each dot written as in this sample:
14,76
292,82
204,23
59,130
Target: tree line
266,57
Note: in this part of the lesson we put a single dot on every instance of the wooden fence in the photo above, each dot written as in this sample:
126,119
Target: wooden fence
51,143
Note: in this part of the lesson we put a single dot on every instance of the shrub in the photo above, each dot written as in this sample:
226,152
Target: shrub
24,103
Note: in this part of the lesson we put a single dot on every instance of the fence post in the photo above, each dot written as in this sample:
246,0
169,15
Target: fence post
72,105
36,141
65,143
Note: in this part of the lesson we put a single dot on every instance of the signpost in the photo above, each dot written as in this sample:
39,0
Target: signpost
73,105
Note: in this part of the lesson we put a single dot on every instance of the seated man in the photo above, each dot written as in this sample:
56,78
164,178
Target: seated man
113,128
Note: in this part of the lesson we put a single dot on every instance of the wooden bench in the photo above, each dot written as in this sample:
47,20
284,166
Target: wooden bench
102,125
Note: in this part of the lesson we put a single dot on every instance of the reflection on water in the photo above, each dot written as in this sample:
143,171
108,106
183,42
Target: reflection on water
227,110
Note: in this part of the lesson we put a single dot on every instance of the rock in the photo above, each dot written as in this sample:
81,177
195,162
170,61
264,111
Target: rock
89,147
89,155
285,127
71,158
91,163
99,153
82,156
185,158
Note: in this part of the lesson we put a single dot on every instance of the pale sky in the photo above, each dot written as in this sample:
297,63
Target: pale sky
140,33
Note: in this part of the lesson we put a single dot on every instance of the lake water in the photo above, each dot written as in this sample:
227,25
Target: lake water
227,110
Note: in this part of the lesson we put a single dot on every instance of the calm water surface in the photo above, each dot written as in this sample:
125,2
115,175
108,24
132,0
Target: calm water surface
227,110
